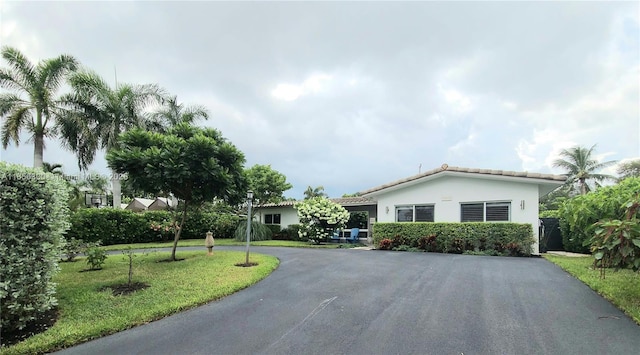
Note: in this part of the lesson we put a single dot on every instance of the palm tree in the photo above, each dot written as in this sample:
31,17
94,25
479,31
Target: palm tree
52,168
97,113
582,166
310,192
32,104
172,113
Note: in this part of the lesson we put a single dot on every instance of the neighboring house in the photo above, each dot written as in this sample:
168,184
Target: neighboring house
453,194
139,204
163,204
446,194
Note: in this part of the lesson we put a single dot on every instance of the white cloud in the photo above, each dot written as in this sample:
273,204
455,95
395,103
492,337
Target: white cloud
291,92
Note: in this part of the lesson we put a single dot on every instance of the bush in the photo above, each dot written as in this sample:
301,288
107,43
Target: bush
116,226
289,233
34,216
579,214
515,238
96,257
72,247
258,231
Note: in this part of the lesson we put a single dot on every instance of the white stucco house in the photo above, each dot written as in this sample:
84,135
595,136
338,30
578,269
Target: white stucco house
445,194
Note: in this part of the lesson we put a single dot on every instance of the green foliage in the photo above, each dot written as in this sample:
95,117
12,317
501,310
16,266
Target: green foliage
258,231
268,185
116,226
96,258
275,228
579,214
72,247
291,232
616,242
319,217
581,166
508,238
629,169
195,164
549,214
311,192
33,215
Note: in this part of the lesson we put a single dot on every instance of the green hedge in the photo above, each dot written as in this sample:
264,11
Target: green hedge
504,238
116,226
33,216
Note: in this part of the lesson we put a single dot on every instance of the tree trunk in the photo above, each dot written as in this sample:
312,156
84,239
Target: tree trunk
38,149
583,187
178,232
116,190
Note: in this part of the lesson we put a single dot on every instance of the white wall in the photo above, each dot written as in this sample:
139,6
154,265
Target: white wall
288,215
446,193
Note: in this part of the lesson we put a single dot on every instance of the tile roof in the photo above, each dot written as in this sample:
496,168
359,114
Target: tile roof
343,201
455,169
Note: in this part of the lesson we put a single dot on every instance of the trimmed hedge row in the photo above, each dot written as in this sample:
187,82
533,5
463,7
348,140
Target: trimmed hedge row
503,238
33,216
116,226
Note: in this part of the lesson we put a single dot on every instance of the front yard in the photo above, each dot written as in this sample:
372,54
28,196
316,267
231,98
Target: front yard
88,310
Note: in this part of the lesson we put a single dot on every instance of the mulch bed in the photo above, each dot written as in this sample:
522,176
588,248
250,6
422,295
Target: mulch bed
125,289
250,264
44,322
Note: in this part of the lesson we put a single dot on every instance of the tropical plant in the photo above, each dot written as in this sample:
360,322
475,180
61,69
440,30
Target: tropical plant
580,165
267,184
96,114
616,242
194,164
172,113
630,168
55,169
31,105
311,192
319,218
259,231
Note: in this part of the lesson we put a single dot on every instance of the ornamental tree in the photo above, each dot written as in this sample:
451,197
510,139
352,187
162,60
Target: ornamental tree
267,184
319,218
194,164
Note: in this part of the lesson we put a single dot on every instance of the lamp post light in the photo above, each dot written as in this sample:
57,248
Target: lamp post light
249,200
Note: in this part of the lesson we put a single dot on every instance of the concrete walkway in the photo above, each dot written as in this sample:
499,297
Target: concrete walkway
566,253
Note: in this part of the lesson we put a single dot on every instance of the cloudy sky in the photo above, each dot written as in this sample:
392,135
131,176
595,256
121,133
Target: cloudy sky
351,95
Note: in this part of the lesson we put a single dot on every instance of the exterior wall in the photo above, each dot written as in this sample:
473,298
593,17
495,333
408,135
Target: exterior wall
446,193
288,215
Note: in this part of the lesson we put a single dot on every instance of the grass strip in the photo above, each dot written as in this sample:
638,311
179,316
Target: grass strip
87,313
622,287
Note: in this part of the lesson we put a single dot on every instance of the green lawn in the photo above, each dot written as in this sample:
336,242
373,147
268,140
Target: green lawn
621,287
224,242
87,313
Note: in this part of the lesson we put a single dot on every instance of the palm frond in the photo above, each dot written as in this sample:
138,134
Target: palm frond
53,71
24,72
14,122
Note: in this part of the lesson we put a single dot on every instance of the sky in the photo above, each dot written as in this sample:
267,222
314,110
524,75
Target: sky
352,95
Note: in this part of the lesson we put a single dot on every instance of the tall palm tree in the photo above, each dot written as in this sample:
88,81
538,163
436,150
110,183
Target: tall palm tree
31,105
97,113
171,113
581,166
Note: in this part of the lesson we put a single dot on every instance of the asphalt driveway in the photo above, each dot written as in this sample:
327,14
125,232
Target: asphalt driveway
375,302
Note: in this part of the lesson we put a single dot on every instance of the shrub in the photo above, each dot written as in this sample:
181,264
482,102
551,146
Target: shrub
72,247
258,231
96,257
319,217
616,243
579,214
291,232
33,215
385,244
456,237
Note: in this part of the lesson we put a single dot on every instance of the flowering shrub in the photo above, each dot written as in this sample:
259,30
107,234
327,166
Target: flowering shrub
166,229
319,217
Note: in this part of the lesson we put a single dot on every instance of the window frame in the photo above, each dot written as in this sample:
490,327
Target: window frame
486,204
273,217
432,206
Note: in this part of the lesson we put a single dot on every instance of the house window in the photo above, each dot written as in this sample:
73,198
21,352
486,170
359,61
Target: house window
414,213
485,212
272,218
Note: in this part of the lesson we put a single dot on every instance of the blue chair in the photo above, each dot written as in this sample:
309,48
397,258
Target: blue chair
336,236
353,237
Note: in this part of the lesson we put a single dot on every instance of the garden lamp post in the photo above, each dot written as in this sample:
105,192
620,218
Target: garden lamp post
249,200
